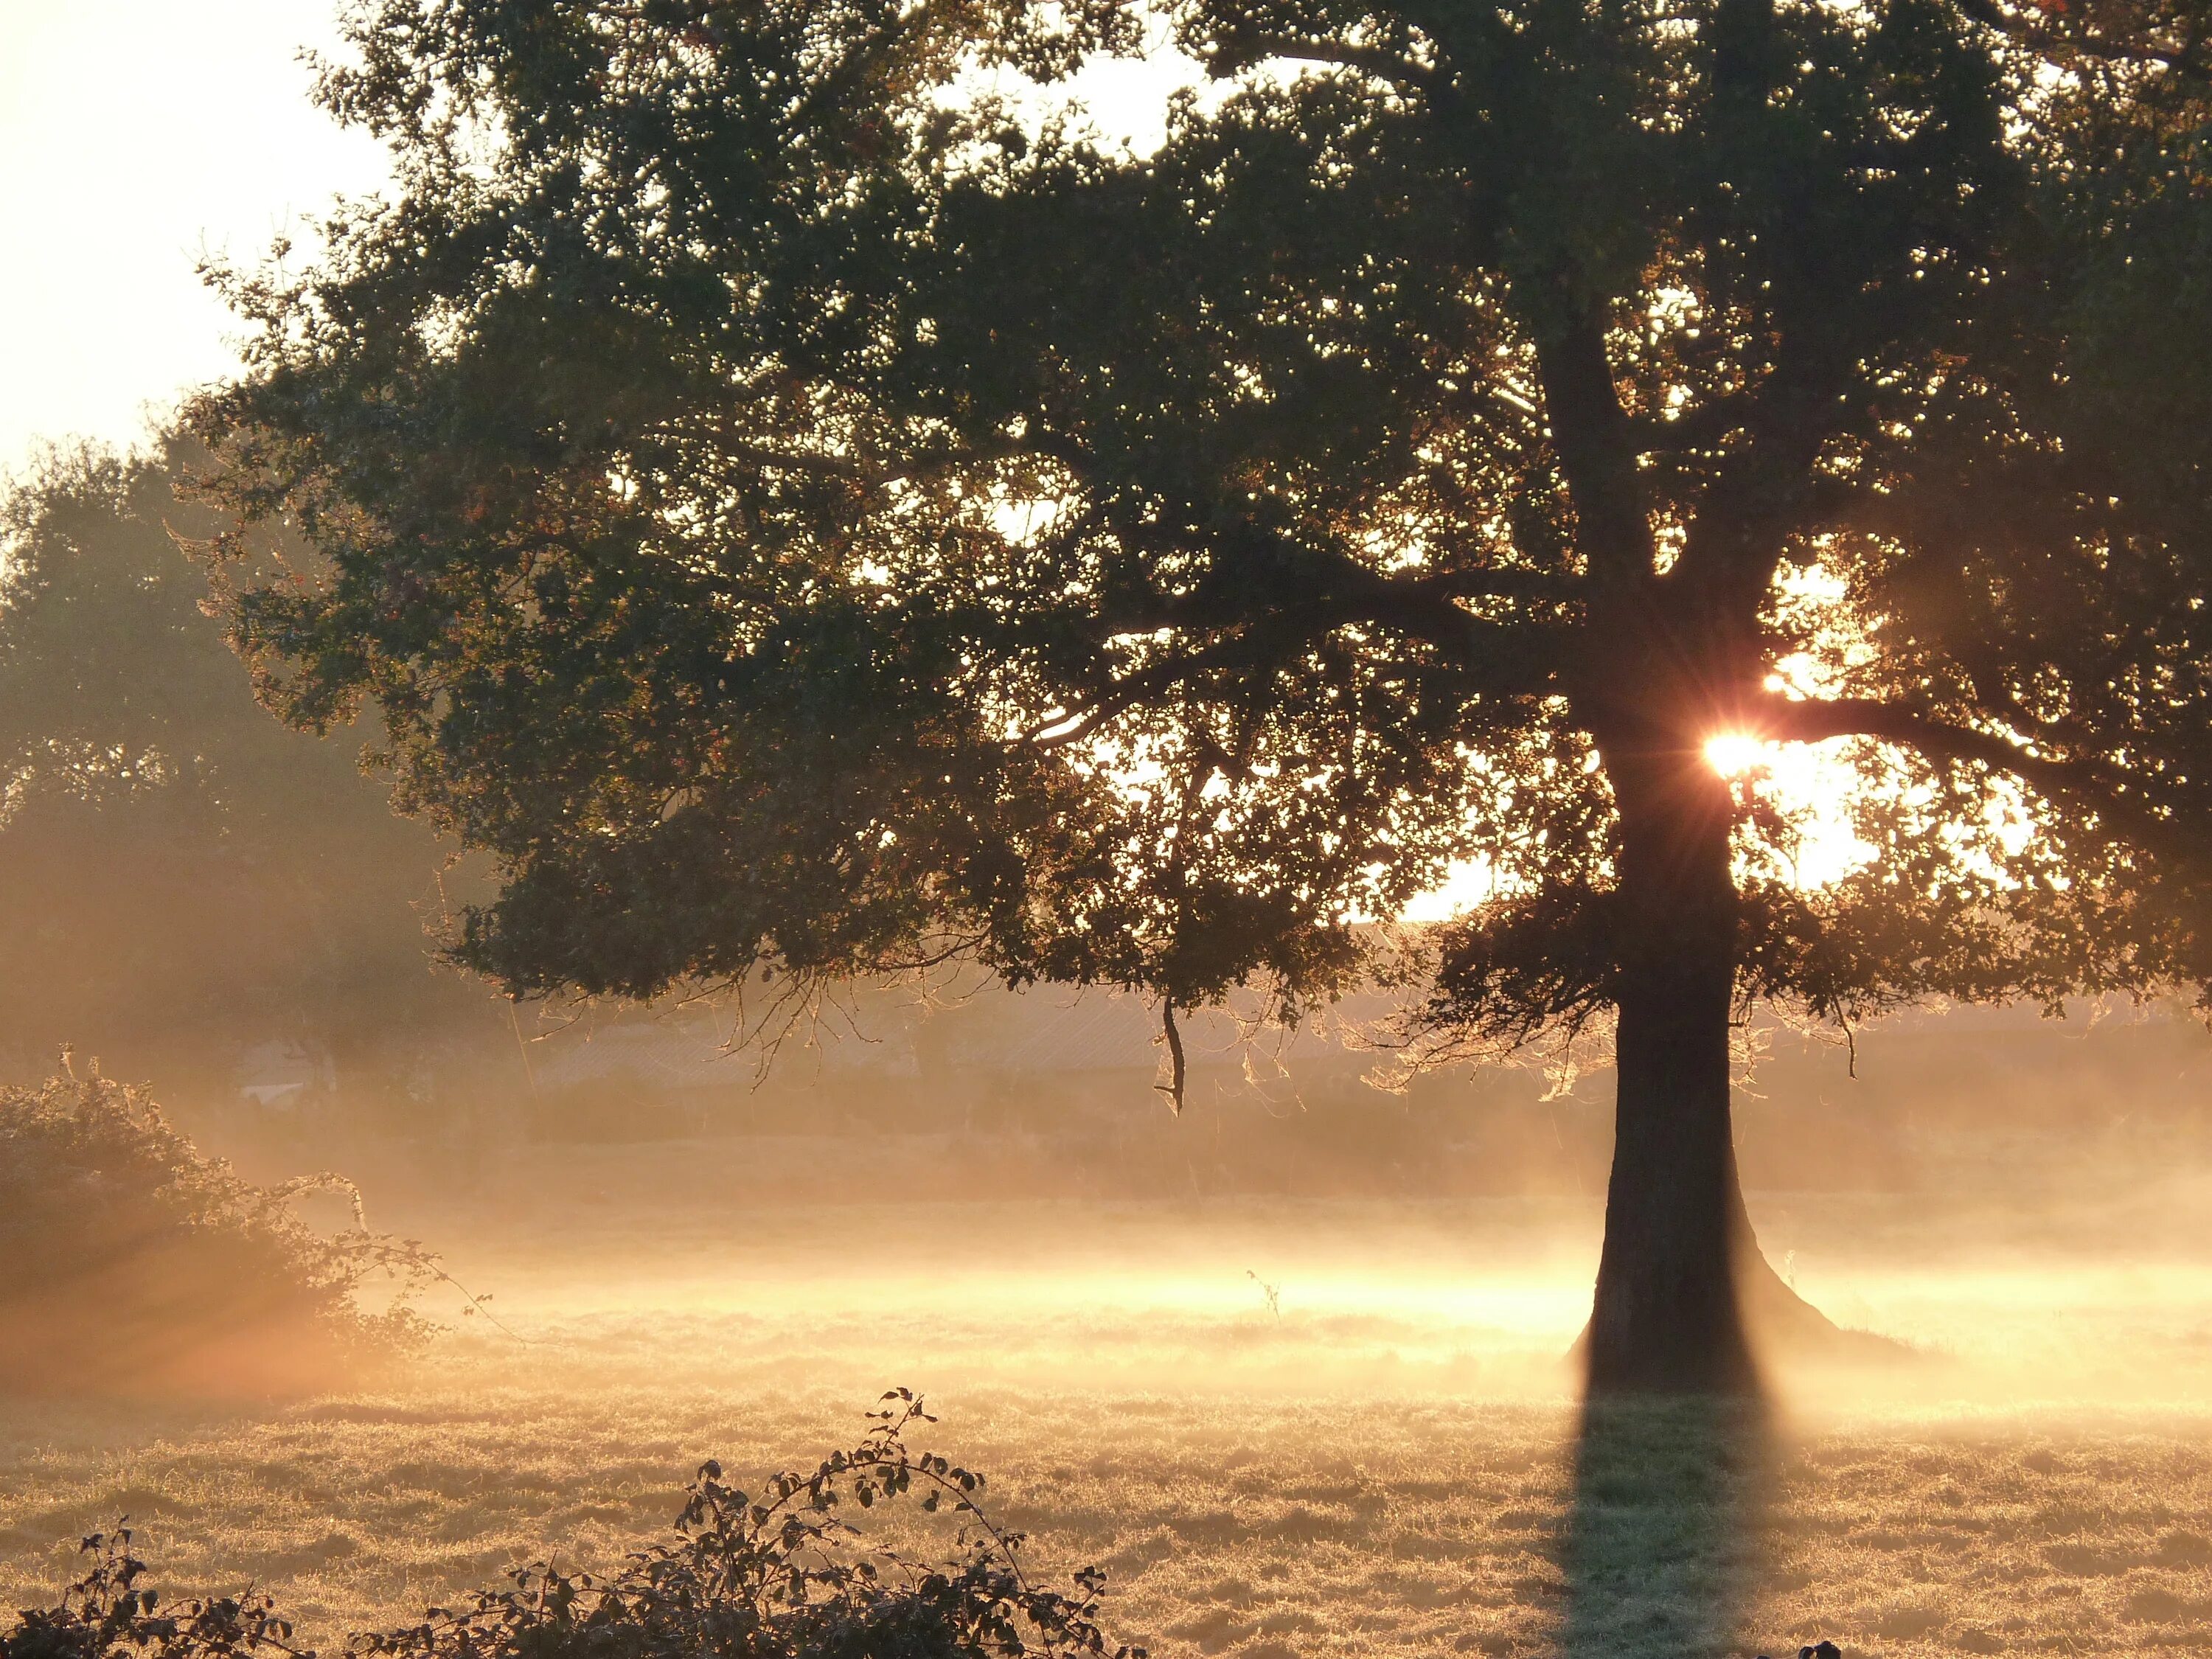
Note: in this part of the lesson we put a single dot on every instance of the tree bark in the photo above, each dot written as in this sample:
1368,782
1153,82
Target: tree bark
1669,1313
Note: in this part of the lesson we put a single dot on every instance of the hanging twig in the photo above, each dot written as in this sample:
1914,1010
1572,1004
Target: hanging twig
1171,1035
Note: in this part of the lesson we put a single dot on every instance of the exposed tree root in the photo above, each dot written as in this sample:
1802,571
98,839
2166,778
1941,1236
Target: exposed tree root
1787,1330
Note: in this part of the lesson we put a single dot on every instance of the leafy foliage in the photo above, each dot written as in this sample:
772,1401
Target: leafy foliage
797,509
132,1263
782,1574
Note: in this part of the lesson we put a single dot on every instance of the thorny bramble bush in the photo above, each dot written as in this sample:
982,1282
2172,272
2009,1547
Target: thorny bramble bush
132,1262
781,1575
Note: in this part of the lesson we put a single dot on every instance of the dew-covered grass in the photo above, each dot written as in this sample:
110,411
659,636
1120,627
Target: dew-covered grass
1389,1461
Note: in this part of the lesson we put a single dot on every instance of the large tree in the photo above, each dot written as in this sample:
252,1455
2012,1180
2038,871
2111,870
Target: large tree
806,508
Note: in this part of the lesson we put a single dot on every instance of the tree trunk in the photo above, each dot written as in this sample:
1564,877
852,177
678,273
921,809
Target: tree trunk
1669,1313
1668,660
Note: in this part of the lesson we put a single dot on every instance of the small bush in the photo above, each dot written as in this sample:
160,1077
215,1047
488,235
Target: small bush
131,1263
778,1576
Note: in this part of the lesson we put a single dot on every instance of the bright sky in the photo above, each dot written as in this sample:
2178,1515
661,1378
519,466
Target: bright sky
137,134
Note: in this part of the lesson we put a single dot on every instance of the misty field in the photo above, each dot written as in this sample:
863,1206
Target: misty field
1389,1463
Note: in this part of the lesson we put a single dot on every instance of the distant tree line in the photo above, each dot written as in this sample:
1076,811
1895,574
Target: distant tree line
181,877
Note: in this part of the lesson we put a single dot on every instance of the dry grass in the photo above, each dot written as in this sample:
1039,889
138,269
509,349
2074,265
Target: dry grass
1395,1466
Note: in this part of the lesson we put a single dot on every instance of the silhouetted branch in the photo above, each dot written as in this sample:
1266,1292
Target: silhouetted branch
2039,34
1171,1034
2088,783
1244,49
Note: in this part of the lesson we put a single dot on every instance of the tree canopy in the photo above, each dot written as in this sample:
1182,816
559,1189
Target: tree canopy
805,505
793,509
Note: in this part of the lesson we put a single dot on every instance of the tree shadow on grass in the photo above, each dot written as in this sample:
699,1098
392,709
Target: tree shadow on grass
1665,1526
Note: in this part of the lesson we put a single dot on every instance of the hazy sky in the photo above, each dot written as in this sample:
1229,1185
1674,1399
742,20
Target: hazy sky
138,133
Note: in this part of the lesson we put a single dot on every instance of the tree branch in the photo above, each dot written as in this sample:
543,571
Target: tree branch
1243,49
1171,1034
1699,427
1596,447
1248,560
2087,782
926,465
2053,43
1416,607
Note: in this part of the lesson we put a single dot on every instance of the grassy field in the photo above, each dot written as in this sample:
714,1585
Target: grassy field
1391,1464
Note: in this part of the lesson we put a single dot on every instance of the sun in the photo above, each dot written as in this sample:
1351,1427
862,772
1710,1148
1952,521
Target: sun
1732,754
1811,786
